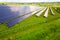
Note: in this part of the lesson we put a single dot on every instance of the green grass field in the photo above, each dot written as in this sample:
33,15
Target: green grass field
33,28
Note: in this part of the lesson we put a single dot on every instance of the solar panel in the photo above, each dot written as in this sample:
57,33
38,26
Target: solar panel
7,14
46,13
57,9
42,10
17,20
52,11
4,11
20,19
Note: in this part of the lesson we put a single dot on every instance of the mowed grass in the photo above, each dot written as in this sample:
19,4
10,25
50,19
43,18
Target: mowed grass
33,28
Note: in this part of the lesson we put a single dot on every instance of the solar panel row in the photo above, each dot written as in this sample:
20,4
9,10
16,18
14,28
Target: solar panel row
7,15
17,20
20,19
52,11
46,13
42,10
10,12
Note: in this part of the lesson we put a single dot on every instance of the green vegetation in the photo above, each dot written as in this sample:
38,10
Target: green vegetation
49,4
33,28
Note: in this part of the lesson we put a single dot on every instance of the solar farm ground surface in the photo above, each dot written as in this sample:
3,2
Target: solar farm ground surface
33,28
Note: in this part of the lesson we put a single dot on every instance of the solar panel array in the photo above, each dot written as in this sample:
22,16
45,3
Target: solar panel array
7,14
14,14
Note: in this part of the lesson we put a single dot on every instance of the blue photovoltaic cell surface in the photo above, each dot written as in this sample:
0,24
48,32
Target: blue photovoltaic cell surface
7,14
10,12
4,11
18,20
